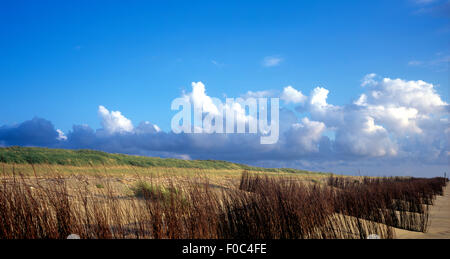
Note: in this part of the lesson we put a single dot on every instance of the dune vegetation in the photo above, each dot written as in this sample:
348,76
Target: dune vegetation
85,157
48,193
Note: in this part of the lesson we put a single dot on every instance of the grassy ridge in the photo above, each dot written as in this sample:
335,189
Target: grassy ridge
84,157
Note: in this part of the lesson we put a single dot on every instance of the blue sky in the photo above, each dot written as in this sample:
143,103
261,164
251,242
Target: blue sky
60,60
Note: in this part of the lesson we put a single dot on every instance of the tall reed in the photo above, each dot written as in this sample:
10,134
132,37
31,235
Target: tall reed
261,207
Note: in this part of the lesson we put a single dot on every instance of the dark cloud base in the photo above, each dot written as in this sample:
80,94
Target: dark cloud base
328,157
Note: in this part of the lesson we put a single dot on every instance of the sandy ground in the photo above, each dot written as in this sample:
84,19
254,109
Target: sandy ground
439,221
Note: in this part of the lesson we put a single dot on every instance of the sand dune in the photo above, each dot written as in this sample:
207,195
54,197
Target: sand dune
439,224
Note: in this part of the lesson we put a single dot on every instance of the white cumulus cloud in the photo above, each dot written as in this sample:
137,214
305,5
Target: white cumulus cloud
61,135
393,117
114,121
306,135
292,95
201,100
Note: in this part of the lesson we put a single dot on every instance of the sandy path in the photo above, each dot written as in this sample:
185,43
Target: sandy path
439,221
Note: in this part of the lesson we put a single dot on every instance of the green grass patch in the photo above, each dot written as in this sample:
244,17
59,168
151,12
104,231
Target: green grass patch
92,158
143,189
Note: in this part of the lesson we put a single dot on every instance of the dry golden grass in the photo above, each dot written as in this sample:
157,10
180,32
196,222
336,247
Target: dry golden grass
49,201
